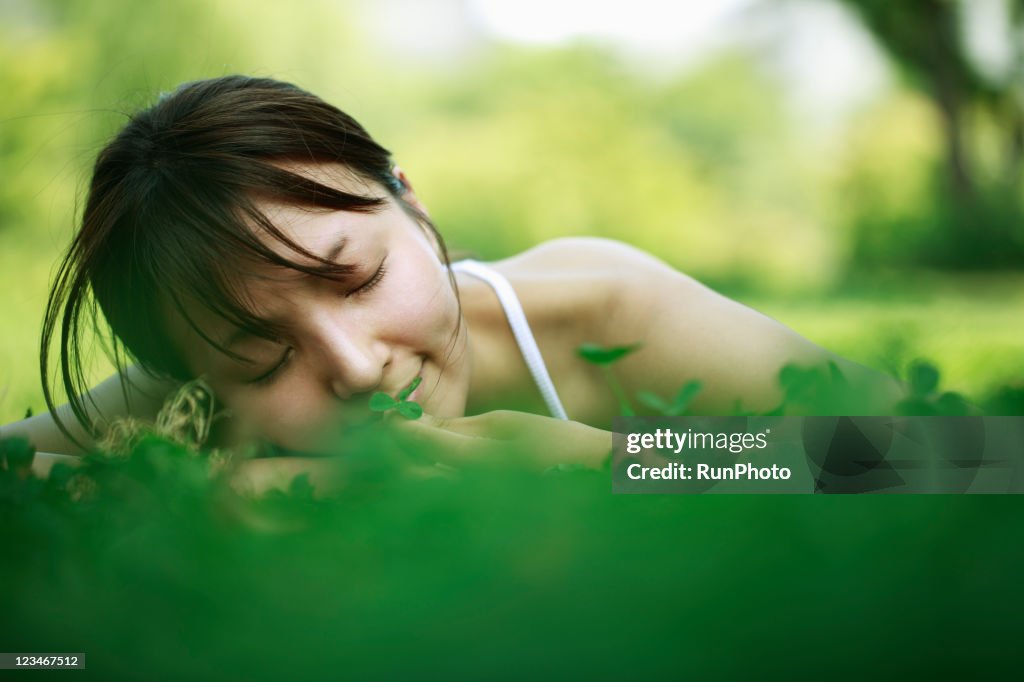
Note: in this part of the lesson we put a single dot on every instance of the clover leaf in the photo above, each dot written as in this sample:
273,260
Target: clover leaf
407,391
382,402
604,358
682,400
410,410
924,378
599,355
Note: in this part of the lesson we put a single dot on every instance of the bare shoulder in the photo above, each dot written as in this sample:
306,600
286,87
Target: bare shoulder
615,286
684,330
588,255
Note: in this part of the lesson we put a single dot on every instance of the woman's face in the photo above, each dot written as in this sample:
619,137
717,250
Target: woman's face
395,318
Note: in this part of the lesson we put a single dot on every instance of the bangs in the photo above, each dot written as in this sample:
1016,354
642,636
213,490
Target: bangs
197,242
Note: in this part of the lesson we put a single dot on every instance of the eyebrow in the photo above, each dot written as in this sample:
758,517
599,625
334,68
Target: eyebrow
335,250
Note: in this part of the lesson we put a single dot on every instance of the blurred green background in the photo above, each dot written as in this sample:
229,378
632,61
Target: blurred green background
853,169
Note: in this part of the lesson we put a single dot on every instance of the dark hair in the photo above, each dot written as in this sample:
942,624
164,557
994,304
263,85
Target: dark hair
165,219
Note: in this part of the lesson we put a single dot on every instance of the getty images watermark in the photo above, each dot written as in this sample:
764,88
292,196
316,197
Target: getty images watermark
818,455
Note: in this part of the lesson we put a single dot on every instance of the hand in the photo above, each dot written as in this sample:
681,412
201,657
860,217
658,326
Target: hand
505,437
433,444
327,474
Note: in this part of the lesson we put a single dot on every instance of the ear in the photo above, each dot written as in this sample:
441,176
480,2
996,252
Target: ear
409,195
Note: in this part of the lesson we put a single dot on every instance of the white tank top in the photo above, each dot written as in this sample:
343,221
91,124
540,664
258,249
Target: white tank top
520,329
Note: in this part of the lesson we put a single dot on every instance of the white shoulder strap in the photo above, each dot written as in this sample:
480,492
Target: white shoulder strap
520,330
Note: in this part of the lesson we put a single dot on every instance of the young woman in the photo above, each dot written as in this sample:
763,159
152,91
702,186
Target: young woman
244,231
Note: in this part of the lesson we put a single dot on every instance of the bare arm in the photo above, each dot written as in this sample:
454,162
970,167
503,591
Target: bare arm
44,461
738,352
690,332
145,395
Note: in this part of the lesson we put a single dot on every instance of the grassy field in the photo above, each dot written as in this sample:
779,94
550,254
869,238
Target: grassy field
148,563
971,327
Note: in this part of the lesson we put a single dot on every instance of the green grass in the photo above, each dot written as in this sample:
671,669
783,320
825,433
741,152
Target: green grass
152,567
972,328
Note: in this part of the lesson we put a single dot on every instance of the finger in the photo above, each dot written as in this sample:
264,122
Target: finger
465,426
495,425
508,425
444,445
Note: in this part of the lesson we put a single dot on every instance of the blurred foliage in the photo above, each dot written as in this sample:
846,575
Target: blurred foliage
150,563
968,213
532,144
707,167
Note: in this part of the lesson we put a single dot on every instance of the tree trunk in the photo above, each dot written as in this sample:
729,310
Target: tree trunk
961,180
1015,152
948,93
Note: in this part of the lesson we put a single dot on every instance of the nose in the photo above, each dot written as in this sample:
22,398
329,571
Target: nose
353,362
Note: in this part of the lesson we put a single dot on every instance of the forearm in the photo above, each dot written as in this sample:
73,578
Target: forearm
43,462
255,476
878,390
42,431
140,397
252,477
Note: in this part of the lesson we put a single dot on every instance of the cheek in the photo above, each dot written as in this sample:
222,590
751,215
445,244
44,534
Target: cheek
423,311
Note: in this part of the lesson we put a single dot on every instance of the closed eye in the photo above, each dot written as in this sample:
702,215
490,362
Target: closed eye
369,284
270,374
